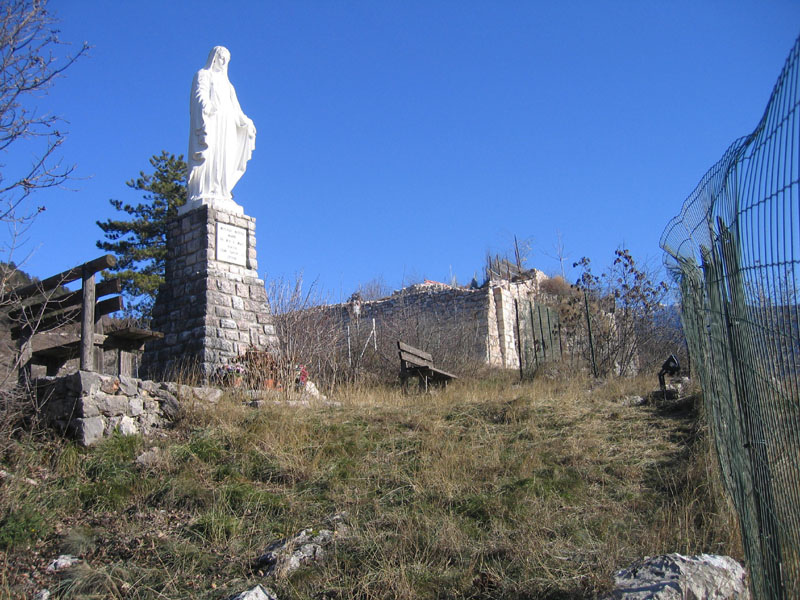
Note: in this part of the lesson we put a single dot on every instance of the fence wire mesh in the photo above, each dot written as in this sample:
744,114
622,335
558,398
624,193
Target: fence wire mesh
734,250
538,335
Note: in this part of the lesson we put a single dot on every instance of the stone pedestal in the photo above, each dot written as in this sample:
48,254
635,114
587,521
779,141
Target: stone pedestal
212,306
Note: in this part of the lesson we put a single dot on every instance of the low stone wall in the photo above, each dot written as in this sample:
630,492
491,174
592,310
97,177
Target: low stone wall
90,406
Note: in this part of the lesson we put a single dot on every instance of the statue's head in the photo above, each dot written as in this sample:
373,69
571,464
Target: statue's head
218,59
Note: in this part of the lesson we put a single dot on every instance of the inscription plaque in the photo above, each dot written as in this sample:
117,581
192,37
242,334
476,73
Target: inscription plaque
232,244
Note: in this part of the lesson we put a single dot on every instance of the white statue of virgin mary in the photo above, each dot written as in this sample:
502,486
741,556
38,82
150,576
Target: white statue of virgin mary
221,137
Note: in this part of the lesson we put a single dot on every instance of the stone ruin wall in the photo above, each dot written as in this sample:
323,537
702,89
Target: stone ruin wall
451,319
504,346
481,321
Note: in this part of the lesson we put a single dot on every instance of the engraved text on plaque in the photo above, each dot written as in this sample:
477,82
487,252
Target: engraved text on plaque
232,244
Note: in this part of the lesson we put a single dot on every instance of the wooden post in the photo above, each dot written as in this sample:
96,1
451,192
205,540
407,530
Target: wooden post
99,352
25,354
519,337
124,363
541,331
87,322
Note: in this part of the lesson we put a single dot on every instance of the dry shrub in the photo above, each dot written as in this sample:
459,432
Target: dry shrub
308,334
556,286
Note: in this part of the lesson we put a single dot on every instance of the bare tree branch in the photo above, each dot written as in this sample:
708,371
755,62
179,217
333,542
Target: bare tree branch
29,64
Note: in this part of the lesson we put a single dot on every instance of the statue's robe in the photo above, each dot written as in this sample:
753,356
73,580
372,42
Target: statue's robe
221,138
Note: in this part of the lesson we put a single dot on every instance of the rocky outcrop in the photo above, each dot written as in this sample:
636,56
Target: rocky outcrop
678,577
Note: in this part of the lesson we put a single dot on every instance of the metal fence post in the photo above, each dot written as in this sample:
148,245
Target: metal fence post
589,328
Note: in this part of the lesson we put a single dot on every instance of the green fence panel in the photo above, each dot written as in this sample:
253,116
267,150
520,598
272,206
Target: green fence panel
734,250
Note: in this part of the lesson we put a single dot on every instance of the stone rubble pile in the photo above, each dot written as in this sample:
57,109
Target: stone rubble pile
90,406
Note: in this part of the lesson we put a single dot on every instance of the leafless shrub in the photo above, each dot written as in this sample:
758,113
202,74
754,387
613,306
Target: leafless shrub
454,337
31,61
355,343
618,320
308,334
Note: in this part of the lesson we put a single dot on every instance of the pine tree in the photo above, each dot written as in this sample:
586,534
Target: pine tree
140,243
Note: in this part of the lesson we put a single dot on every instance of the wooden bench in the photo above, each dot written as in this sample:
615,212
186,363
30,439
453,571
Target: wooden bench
45,322
417,363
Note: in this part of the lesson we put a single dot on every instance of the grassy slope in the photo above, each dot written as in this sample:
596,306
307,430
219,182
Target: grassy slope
490,490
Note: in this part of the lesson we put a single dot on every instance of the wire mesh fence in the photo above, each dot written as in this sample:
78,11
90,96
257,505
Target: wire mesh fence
538,335
734,250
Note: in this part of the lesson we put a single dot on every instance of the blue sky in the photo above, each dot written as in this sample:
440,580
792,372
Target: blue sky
404,140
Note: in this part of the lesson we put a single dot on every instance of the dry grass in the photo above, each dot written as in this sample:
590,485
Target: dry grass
491,489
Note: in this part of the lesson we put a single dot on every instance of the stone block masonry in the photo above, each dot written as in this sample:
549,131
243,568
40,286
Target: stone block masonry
89,406
212,306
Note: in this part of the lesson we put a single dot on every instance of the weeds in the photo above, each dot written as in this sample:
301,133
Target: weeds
488,490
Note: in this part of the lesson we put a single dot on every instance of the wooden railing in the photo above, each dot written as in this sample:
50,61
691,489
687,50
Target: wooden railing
42,316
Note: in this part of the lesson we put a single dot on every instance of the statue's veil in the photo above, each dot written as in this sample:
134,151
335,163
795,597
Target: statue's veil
215,51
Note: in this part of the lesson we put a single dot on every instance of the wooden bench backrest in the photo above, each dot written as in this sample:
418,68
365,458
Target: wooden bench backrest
414,356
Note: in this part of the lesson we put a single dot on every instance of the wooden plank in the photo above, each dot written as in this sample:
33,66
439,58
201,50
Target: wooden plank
415,362
59,319
124,363
414,359
136,333
65,352
431,372
39,310
87,322
52,339
108,306
89,268
416,351
54,345
444,374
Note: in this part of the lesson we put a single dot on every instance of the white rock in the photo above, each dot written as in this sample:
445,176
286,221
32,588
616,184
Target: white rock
207,394
65,561
285,556
149,457
632,401
125,425
677,577
90,430
257,593
128,426
42,595
135,406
